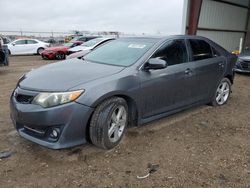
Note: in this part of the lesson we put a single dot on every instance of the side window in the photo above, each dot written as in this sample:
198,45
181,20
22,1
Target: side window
83,39
215,52
174,52
20,42
201,50
31,42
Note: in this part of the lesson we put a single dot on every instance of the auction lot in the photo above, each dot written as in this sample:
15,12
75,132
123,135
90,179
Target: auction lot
200,147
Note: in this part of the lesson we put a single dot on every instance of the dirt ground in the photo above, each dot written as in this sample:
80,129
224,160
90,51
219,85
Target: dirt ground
200,147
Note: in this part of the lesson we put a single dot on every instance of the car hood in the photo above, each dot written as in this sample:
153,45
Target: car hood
63,76
56,48
244,57
79,48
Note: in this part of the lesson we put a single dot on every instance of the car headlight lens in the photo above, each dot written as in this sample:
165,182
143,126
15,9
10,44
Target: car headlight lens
239,61
47,100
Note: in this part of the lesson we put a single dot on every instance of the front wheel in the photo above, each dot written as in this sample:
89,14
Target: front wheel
222,93
108,123
60,55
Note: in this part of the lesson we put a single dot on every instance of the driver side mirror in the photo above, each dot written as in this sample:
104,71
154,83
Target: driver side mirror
155,63
13,43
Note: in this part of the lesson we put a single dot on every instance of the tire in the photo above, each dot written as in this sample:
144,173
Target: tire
2,57
60,56
222,92
44,57
39,51
108,123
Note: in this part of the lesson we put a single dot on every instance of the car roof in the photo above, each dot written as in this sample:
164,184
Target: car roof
158,38
27,39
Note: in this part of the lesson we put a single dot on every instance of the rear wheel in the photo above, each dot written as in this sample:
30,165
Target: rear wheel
40,50
108,123
222,93
60,55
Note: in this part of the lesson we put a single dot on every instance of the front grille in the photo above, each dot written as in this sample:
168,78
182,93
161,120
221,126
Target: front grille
245,65
24,99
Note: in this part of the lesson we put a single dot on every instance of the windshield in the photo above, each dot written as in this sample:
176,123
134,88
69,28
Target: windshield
92,42
119,52
68,44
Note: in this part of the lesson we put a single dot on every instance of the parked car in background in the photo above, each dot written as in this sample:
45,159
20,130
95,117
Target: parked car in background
243,62
127,81
26,46
84,38
6,40
59,52
4,60
80,51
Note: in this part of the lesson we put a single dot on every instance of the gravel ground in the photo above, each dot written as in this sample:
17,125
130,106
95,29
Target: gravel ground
200,147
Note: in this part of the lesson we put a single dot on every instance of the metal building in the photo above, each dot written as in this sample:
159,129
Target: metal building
224,21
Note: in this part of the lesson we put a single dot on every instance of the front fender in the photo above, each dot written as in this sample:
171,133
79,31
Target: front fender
97,91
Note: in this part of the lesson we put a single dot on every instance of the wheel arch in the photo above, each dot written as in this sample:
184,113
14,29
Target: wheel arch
131,102
132,110
230,77
40,47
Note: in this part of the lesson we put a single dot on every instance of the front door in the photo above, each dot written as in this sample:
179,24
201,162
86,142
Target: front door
170,88
18,47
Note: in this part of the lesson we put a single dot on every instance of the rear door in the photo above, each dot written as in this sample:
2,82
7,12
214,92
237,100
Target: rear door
209,68
170,88
31,46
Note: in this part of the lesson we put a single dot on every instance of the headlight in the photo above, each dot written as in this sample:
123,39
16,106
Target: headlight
239,61
47,100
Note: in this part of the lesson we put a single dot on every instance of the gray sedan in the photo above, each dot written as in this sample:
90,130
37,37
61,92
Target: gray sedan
129,81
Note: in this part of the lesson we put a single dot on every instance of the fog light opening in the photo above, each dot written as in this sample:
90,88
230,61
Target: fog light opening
55,132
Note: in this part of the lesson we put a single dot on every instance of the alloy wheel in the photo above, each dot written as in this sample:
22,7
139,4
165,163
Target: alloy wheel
222,93
117,124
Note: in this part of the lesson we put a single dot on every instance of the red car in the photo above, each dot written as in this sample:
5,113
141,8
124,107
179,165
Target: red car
59,52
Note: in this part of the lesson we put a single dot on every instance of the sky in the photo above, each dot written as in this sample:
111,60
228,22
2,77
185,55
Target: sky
126,16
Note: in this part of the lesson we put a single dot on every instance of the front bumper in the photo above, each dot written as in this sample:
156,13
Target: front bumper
35,123
48,55
241,70
242,66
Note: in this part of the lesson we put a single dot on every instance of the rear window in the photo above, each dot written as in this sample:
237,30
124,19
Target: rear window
201,50
31,42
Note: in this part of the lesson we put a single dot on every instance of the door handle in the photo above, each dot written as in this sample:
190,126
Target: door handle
221,65
188,71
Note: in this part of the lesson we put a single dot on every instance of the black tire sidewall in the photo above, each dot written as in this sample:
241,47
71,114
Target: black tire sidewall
58,53
39,50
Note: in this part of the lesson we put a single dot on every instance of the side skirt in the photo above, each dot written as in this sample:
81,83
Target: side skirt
142,121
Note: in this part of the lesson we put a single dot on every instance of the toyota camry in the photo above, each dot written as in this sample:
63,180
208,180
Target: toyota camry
126,82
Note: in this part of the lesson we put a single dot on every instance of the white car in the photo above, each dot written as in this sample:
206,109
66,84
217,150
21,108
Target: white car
27,46
90,45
